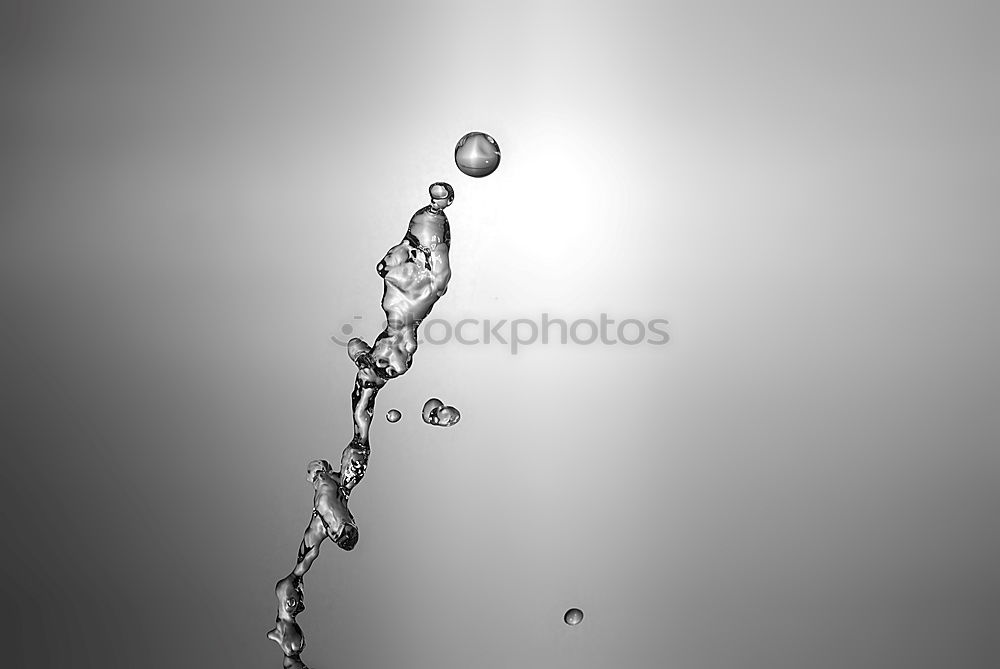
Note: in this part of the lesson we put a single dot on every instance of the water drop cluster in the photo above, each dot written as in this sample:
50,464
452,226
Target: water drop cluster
436,412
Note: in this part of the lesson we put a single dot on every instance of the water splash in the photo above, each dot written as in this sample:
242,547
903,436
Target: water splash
415,273
436,412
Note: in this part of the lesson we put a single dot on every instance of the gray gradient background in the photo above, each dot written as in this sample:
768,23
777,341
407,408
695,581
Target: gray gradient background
195,195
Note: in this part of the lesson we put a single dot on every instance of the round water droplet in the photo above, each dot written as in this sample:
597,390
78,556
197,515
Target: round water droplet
429,412
477,154
573,617
448,416
393,415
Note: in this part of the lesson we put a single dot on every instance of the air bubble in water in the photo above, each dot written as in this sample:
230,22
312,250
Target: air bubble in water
477,154
573,617
393,415
436,412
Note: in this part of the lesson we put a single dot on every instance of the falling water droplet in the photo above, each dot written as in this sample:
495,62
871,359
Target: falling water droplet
393,415
430,409
573,617
448,416
477,154
436,412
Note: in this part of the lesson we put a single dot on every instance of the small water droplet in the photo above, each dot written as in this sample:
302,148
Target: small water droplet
573,617
436,412
429,412
393,415
477,154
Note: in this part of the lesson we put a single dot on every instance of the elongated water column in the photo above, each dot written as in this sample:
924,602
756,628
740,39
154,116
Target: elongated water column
415,273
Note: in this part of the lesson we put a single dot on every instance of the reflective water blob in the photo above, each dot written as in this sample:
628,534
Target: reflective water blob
415,273
436,412
477,154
